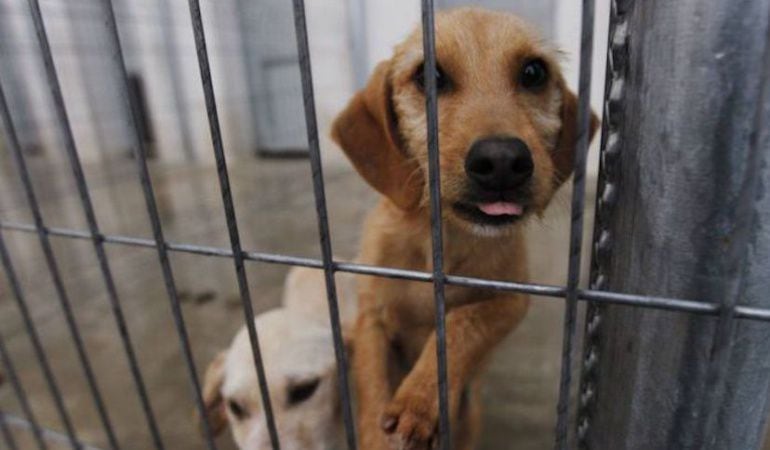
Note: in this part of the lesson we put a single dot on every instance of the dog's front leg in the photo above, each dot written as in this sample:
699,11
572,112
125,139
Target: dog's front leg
370,370
472,331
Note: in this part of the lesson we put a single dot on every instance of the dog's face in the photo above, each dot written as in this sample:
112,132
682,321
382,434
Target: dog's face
507,122
301,374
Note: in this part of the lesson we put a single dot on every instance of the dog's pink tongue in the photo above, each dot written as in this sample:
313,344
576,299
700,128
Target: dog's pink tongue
500,208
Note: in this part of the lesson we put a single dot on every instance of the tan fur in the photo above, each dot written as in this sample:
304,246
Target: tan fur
383,132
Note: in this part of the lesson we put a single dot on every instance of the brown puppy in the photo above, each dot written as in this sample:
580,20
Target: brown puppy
507,131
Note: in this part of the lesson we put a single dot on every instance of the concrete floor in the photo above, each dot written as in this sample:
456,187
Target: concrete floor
275,208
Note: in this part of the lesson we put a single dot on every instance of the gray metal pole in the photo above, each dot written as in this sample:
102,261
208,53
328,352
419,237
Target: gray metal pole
689,154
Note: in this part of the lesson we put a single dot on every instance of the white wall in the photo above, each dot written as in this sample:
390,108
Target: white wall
568,18
146,32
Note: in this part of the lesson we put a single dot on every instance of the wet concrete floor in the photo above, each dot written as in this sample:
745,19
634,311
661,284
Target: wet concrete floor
274,202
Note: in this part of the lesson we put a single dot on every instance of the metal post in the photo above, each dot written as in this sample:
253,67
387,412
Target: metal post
691,220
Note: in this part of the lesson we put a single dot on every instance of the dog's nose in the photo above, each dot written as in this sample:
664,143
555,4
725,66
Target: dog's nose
499,163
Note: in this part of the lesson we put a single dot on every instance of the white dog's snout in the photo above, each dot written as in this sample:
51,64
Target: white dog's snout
257,437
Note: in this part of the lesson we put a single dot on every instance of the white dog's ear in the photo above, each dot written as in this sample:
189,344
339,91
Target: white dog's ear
212,395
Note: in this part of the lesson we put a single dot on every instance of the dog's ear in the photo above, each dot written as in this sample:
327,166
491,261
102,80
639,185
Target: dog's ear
564,153
368,133
216,415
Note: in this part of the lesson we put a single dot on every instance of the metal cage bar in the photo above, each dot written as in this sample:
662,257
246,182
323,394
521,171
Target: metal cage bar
308,98
437,241
607,186
45,244
88,210
21,396
34,338
140,155
727,312
42,358
229,210
695,306
576,224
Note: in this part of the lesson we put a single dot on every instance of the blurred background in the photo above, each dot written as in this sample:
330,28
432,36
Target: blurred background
257,82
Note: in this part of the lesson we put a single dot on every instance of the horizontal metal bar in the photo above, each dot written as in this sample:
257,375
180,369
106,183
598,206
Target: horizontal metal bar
48,434
539,290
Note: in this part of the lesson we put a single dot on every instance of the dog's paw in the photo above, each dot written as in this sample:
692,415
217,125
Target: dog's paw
411,423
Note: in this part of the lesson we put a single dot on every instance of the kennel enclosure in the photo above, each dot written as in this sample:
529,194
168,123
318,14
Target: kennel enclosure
676,331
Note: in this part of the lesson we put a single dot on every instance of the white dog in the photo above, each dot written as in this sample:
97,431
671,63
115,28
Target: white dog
300,367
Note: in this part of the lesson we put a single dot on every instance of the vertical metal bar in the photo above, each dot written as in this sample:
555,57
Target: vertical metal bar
157,230
437,248
42,358
232,222
308,97
576,225
21,396
43,236
96,236
607,185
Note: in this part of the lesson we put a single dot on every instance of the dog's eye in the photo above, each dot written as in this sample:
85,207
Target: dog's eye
442,80
300,392
237,410
534,74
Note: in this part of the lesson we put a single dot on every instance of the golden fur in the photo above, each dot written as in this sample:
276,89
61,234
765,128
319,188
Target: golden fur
383,132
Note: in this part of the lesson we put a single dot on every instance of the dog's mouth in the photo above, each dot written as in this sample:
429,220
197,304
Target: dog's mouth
496,213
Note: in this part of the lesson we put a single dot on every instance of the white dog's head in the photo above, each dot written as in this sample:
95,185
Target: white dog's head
300,367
